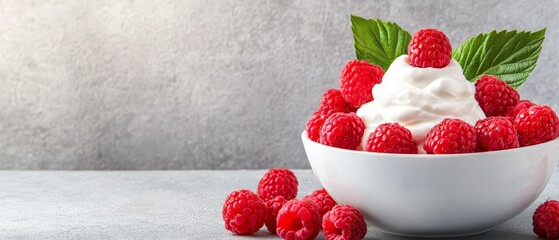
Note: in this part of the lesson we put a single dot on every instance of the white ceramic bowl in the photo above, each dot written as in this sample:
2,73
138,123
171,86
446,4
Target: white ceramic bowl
435,195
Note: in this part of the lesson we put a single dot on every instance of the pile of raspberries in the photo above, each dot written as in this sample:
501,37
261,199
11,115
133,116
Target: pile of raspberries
276,206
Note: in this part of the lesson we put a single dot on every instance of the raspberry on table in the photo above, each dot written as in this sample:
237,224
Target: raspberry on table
429,48
322,199
546,220
451,136
278,182
536,124
272,208
298,219
523,104
495,97
243,212
332,102
314,125
496,133
391,138
344,222
357,81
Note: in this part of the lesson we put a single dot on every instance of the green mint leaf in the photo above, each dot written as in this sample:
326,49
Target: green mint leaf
508,55
378,42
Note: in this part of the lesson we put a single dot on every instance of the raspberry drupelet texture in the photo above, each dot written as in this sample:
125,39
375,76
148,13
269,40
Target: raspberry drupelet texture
272,208
495,97
523,104
344,222
322,199
314,125
536,124
451,136
391,138
496,133
342,130
298,220
429,48
546,220
243,212
332,102
278,182
357,81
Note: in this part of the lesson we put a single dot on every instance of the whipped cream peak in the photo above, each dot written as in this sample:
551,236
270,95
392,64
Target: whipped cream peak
420,98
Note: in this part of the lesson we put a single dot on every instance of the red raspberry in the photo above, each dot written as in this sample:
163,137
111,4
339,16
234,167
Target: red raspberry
298,219
357,81
546,220
451,136
429,48
523,104
391,138
314,125
322,199
272,208
495,97
344,222
342,130
332,102
536,124
243,212
278,182
496,133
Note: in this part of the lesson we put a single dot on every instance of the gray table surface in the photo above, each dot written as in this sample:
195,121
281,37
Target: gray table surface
155,205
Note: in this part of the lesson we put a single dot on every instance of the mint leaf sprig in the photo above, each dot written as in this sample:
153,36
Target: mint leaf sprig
508,55
379,42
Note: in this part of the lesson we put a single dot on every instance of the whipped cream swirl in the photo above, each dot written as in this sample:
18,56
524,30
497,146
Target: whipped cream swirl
420,98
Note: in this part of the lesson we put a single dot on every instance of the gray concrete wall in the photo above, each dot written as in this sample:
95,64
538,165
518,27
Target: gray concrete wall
195,84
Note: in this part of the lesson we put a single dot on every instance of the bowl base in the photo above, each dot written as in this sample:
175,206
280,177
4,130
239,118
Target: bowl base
429,236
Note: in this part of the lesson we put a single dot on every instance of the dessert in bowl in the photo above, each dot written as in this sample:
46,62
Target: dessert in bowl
419,140
430,141
434,195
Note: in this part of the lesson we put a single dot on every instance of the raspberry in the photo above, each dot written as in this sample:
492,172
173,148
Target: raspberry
429,48
278,182
313,126
495,97
523,104
344,222
298,219
451,136
243,212
342,130
332,102
546,220
272,208
357,81
391,138
536,124
322,199
496,133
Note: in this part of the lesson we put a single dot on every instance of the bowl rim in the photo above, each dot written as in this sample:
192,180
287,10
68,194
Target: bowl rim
307,140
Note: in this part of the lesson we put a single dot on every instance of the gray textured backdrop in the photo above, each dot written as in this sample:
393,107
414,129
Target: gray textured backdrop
201,84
